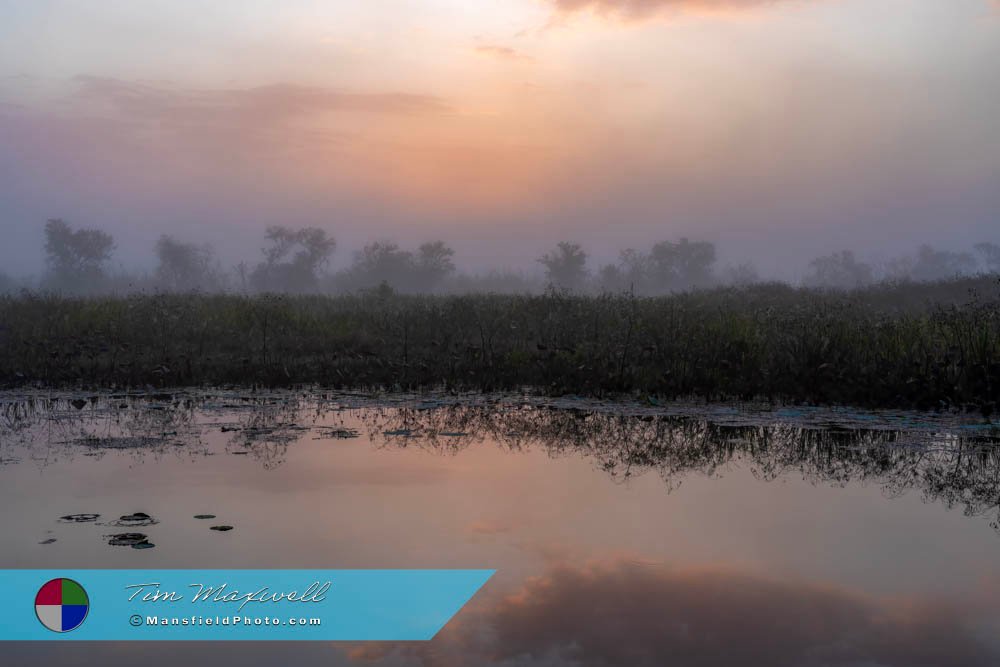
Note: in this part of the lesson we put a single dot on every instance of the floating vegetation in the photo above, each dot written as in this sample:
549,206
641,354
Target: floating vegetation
338,433
134,540
133,520
221,529
79,518
204,516
125,442
48,541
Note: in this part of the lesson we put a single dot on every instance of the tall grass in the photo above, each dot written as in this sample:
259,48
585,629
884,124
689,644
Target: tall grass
924,346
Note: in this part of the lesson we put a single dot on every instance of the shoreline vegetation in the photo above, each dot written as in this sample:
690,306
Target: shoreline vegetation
927,346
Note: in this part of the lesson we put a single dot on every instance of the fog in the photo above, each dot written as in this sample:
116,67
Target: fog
85,261
778,132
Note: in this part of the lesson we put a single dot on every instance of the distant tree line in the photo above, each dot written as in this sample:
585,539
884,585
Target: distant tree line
298,261
842,270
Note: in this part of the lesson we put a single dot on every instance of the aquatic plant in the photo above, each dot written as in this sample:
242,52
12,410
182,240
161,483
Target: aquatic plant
900,345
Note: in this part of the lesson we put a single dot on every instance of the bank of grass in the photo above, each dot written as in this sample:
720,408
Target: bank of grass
922,346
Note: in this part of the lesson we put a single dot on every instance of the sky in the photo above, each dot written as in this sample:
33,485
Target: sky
779,129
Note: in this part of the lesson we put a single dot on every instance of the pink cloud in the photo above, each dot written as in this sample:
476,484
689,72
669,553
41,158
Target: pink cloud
641,9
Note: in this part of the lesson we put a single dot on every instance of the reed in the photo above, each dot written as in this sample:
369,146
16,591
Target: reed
931,346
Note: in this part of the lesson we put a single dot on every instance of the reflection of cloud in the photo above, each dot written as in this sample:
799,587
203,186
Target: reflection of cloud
640,9
626,613
489,527
623,612
503,52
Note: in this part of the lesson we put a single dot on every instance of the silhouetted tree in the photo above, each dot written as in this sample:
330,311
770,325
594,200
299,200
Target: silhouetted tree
566,266
840,270
433,264
184,266
76,258
382,261
681,265
294,259
400,270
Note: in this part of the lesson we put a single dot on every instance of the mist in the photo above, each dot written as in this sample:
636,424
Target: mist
780,132
310,260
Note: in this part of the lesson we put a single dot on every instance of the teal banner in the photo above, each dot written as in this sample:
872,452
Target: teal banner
146,605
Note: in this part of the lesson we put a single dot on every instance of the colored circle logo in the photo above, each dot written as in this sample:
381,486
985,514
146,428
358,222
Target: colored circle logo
62,605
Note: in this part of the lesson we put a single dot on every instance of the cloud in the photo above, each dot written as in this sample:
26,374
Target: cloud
626,612
503,53
641,9
262,103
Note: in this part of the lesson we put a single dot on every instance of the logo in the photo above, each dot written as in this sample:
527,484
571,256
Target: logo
62,605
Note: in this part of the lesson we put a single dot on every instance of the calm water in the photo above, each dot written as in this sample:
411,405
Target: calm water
622,535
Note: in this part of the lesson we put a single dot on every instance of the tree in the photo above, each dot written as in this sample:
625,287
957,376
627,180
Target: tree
930,264
990,252
294,260
681,265
611,278
183,266
741,275
566,266
433,264
382,261
76,258
839,270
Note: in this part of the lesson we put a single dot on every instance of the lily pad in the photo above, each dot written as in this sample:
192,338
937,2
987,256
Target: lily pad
221,529
131,520
79,518
127,539
204,516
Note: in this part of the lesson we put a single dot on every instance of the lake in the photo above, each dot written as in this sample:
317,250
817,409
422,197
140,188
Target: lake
622,533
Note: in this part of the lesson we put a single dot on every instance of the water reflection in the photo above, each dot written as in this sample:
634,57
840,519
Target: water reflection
627,612
953,462
622,534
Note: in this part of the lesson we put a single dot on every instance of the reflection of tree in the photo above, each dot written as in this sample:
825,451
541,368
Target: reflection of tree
956,471
54,428
961,471
264,429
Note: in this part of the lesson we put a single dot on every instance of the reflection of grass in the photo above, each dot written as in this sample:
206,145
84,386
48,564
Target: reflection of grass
883,346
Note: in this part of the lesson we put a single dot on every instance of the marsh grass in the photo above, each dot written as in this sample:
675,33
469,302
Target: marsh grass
927,346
